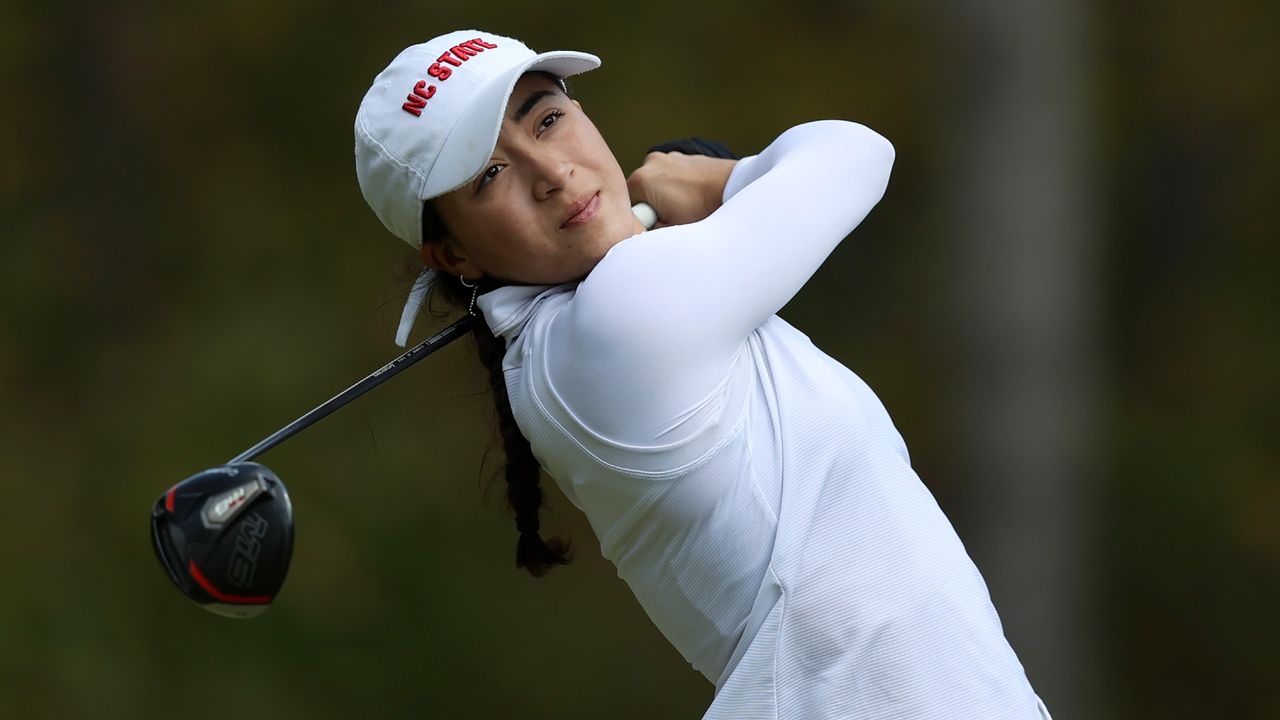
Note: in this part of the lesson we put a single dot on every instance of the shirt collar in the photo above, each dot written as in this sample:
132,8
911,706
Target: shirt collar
508,309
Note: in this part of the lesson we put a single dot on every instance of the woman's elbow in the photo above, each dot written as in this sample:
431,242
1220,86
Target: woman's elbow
867,159
864,154
871,149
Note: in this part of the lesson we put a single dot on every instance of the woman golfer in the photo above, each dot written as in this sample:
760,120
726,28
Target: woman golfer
751,490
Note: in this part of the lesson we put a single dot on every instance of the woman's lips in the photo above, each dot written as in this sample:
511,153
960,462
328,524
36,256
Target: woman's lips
582,212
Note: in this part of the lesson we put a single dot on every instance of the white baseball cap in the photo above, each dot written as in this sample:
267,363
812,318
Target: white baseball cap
429,123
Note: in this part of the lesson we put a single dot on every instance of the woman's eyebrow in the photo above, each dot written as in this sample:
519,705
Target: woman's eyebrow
529,102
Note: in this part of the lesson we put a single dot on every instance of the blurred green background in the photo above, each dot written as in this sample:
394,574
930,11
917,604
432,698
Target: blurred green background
1065,300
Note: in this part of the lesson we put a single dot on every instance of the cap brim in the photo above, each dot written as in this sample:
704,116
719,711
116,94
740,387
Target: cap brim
470,144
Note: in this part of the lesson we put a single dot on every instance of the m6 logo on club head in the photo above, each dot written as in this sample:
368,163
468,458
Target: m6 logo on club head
222,508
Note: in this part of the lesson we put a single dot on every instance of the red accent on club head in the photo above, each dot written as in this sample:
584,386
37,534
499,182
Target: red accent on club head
168,498
220,596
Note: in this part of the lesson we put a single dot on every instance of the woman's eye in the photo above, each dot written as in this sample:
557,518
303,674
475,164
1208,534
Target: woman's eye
488,175
549,120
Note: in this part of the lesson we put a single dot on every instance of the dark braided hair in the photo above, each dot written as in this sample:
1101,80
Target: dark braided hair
522,471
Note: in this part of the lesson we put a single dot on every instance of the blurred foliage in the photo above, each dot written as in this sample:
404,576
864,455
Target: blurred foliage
186,264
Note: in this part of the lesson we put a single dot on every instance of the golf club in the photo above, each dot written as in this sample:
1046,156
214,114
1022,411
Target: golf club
225,535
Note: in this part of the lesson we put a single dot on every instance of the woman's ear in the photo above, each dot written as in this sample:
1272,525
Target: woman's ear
444,255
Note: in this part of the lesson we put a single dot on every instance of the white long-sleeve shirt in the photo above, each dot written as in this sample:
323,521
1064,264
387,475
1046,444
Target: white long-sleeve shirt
751,490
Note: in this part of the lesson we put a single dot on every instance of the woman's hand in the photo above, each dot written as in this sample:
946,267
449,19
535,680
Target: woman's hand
681,188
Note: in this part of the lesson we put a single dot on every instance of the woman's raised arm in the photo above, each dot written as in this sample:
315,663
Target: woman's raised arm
656,324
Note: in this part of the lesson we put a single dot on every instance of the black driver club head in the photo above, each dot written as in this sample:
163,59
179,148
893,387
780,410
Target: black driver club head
225,537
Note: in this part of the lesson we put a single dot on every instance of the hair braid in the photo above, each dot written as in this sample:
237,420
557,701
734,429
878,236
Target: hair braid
522,471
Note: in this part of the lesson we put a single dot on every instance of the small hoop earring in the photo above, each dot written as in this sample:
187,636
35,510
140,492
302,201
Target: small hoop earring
475,290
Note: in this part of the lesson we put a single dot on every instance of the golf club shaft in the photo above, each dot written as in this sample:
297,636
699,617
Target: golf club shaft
642,210
379,376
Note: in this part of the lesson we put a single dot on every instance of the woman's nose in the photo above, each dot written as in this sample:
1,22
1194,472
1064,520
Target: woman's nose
551,174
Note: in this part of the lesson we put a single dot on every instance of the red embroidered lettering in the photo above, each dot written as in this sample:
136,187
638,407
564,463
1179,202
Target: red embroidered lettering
424,94
439,71
455,56
418,100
